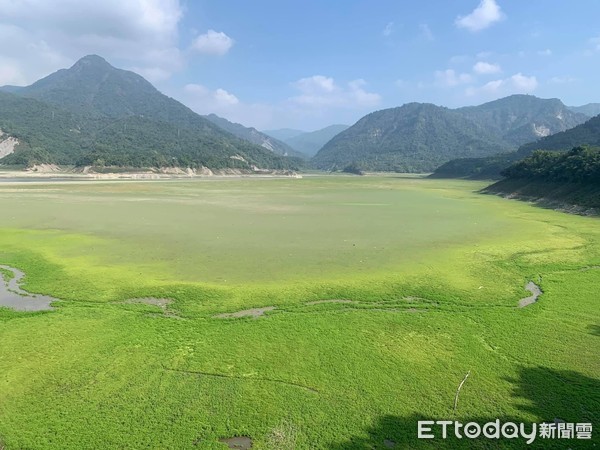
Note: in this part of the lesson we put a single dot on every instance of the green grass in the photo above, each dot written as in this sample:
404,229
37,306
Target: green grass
100,373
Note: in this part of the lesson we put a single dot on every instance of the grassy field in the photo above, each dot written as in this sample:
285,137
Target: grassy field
430,273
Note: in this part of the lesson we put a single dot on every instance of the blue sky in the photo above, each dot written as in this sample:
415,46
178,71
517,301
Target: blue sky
307,64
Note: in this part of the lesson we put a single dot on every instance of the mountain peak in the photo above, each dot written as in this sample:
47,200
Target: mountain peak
91,61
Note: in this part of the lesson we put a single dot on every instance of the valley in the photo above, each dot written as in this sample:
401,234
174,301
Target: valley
325,312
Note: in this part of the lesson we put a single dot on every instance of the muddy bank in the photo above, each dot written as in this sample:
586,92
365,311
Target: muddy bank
535,293
254,312
46,171
13,297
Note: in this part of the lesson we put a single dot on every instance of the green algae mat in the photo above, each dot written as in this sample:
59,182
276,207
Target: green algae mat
315,313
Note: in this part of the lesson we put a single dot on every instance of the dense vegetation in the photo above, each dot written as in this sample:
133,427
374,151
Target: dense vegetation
254,136
94,113
519,119
587,133
423,278
421,137
579,165
413,138
568,180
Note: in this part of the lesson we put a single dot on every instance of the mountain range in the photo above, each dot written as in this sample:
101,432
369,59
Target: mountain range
587,133
96,114
419,137
256,137
307,142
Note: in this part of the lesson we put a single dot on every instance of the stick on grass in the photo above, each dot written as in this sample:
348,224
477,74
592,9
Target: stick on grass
459,388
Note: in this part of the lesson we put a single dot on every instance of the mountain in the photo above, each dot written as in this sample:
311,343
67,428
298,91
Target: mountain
284,133
421,137
416,137
311,142
116,117
254,136
591,109
569,181
519,119
587,133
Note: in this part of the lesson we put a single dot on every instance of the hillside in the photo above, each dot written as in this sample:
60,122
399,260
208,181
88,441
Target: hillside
310,143
254,136
420,137
415,137
519,119
93,108
587,133
567,180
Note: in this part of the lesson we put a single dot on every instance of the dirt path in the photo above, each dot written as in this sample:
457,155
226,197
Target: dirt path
13,297
535,293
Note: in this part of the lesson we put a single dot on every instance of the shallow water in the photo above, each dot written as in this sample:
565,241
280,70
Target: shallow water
13,297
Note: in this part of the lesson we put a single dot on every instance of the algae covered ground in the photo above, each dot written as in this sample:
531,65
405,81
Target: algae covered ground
369,300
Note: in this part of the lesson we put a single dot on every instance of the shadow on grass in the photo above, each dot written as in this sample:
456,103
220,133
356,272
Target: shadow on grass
595,330
548,394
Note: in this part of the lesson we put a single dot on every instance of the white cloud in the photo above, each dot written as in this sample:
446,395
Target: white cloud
321,91
516,84
546,52
45,36
388,30
485,68
212,100
426,32
213,43
562,80
595,43
450,78
487,13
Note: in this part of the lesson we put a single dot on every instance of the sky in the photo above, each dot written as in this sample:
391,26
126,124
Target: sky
312,63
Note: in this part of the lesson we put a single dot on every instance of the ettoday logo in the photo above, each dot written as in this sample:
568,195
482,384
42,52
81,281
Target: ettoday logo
435,429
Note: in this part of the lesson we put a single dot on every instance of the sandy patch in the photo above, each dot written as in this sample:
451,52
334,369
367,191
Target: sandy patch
254,312
535,293
239,442
320,302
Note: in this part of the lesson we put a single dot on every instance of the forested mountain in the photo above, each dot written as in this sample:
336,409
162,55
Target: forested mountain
415,137
518,119
421,137
311,142
587,133
563,180
95,112
256,137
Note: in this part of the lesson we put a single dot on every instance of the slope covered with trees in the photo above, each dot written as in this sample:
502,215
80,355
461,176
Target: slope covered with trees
587,133
95,113
569,180
422,137
415,137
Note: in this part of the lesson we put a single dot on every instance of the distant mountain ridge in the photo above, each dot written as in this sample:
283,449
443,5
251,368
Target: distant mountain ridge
311,142
591,109
256,137
118,118
284,133
419,137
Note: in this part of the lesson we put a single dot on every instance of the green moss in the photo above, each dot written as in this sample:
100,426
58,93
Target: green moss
99,373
